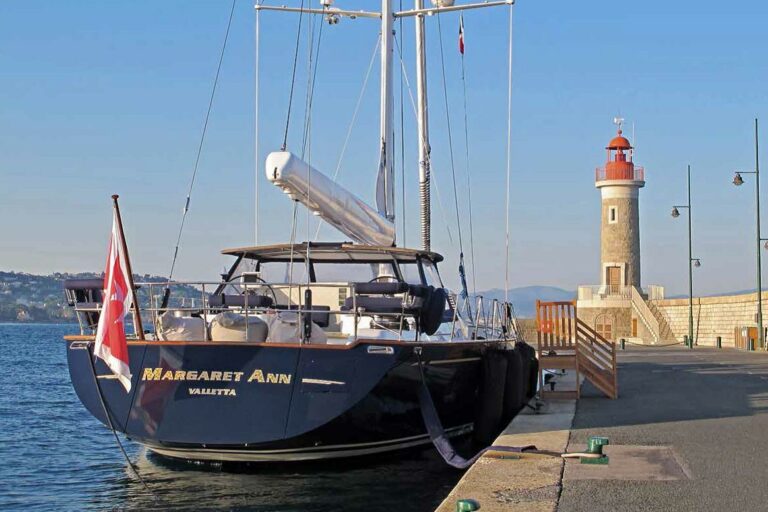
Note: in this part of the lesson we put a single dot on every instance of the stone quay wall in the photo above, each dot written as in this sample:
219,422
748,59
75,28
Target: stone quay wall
712,316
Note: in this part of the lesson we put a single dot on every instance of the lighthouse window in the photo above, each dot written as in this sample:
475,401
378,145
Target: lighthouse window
613,215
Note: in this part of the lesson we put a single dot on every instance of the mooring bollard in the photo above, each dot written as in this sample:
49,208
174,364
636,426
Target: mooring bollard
467,505
719,342
623,343
595,447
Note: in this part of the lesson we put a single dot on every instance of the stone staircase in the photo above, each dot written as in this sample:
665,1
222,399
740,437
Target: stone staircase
665,331
651,317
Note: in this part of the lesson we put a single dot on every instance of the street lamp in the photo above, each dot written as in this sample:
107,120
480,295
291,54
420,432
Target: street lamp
738,181
692,262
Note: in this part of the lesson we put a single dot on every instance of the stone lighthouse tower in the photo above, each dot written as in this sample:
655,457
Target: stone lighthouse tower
617,307
619,183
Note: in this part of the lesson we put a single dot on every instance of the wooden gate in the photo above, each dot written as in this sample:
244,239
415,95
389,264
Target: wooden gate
565,342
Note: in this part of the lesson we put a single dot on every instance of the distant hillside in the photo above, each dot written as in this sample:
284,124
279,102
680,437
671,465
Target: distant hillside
524,298
35,298
40,298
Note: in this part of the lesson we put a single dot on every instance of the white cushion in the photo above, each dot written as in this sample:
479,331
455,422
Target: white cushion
180,328
285,327
230,326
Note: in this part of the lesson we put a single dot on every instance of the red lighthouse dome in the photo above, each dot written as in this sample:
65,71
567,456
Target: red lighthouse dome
619,142
619,164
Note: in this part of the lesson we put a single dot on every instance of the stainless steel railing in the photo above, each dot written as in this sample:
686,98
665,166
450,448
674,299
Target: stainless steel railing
493,320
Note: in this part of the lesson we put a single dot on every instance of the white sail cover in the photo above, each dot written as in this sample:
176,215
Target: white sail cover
333,203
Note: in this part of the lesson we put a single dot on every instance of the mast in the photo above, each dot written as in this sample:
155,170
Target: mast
422,128
385,192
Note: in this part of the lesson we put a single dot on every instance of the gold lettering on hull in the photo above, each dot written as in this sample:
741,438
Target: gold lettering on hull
258,376
270,378
213,391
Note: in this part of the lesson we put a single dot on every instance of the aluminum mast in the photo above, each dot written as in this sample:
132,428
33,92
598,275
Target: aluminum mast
423,129
385,186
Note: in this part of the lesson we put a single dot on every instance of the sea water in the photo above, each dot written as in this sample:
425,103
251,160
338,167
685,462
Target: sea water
55,456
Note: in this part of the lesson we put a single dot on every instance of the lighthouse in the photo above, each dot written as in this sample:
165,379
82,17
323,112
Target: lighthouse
618,306
619,182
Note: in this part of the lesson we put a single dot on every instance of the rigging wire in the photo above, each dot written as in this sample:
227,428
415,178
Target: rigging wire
468,173
293,242
354,120
462,274
434,178
311,80
509,154
110,424
307,142
293,77
305,135
199,151
450,134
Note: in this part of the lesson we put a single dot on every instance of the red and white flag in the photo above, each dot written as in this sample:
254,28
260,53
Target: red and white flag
111,345
461,34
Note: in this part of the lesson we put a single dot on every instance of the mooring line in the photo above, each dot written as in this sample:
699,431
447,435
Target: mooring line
111,426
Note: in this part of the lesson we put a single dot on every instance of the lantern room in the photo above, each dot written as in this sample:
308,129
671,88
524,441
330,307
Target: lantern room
619,165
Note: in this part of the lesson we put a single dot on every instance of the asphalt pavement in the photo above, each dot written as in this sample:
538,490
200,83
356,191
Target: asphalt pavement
708,407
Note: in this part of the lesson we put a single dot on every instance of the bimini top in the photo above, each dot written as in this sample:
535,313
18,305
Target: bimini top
332,252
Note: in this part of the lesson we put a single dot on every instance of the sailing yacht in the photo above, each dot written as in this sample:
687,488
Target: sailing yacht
315,350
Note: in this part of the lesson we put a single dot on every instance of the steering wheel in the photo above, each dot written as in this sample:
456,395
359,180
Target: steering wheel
393,278
260,280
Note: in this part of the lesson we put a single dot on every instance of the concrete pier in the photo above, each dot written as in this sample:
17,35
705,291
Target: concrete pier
688,432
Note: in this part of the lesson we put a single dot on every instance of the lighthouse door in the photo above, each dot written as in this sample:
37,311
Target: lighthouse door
613,279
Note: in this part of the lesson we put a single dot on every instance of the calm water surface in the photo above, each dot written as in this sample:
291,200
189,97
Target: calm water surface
55,456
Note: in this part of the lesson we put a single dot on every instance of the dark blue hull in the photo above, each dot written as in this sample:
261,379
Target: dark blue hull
262,402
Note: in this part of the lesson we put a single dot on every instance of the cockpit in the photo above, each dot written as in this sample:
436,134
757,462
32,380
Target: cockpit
332,293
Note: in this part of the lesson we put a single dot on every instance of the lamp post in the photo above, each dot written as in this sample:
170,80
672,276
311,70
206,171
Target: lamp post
692,262
738,181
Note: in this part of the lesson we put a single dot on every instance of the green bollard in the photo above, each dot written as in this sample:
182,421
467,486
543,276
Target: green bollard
751,345
623,344
467,505
719,342
595,446
685,340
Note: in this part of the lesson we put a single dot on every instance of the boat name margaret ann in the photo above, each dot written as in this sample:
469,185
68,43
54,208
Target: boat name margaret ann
258,376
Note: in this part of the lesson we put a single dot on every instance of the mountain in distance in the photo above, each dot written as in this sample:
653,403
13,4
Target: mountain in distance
27,298
524,298
40,298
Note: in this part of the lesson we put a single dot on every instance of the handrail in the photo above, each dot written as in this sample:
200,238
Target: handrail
291,296
633,174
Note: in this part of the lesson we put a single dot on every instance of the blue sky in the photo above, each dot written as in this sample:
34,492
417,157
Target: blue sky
103,97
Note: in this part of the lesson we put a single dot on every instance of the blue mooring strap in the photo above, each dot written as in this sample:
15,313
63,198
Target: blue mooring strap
437,432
